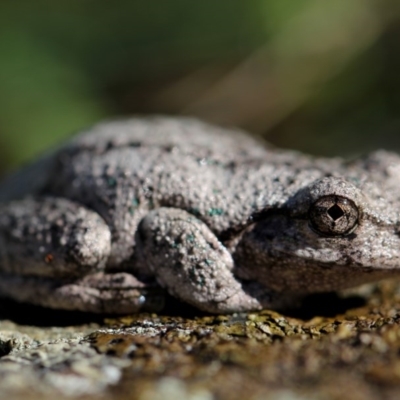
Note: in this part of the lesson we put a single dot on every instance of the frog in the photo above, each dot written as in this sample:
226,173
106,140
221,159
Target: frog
131,211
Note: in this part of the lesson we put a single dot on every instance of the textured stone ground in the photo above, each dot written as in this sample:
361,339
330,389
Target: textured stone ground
332,348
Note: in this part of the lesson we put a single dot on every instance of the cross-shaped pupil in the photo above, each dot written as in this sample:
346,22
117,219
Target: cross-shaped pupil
335,212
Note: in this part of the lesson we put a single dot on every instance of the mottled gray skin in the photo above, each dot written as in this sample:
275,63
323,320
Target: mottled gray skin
215,218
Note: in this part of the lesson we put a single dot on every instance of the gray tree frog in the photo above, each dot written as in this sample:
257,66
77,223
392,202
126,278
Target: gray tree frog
210,215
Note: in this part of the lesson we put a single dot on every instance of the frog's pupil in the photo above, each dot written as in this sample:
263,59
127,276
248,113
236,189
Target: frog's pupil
335,212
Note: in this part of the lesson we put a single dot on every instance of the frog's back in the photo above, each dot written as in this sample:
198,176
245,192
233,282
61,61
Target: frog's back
189,135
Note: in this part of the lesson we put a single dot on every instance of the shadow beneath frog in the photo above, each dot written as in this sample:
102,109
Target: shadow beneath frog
324,305
321,305
27,314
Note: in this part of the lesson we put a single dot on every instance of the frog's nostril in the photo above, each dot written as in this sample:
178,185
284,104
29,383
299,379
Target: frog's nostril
335,212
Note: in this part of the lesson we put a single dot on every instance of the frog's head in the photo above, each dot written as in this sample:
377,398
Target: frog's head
336,232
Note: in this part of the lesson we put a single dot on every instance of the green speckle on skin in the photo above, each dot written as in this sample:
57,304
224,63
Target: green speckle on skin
209,262
195,211
175,245
133,206
190,238
192,275
196,277
354,180
215,211
112,182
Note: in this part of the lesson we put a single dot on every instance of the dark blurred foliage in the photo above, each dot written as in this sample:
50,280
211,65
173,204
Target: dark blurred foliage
319,76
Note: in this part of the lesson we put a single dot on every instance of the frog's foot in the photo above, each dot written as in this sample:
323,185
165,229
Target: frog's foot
191,263
52,237
114,293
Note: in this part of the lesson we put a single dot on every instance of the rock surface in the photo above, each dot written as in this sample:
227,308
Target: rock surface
332,348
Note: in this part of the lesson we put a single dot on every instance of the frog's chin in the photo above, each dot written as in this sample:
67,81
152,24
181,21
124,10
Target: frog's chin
295,276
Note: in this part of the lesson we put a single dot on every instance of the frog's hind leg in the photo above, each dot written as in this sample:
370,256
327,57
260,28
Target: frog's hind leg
192,264
51,237
116,293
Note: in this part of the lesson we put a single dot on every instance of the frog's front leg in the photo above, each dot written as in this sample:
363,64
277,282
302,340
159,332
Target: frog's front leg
192,264
52,237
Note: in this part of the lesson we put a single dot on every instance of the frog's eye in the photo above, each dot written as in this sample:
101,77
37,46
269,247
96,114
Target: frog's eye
334,215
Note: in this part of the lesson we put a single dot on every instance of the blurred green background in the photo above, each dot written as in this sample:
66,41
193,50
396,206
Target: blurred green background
323,77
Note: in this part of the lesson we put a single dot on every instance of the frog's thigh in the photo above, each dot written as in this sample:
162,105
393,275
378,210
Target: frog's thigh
117,293
189,261
52,237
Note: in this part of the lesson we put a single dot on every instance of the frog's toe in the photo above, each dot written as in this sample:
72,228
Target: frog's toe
116,293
